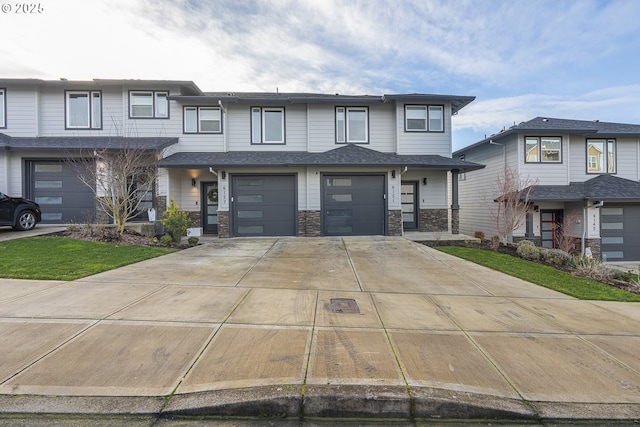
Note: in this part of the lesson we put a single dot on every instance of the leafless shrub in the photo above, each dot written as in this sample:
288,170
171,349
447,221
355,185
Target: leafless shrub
592,269
514,195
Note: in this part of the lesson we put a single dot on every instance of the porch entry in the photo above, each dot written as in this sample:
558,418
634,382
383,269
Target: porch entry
209,205
550,223
409,201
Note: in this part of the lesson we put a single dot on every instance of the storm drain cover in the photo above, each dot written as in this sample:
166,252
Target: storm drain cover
344,305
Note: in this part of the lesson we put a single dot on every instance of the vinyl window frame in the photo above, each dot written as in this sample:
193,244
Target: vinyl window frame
343,125
3,108
610,152
428,110
155,105
259,126
539,149
199,120
94,118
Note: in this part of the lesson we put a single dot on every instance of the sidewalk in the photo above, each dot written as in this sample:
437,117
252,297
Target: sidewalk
317,327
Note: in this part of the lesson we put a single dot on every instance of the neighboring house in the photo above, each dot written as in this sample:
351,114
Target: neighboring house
243,164
587,169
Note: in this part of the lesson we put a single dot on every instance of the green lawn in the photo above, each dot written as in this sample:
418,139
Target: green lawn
61,258
542,275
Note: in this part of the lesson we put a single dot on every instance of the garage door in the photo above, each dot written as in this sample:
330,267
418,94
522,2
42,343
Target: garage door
62,197
264,205
620,232
353,205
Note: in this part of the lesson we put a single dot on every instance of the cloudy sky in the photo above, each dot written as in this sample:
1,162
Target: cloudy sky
521,58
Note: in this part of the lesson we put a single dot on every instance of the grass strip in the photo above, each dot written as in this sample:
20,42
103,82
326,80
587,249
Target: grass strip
543,275
62,258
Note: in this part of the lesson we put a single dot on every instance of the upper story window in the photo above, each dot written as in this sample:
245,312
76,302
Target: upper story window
83,109
3,109
543,149
202,120
148,104
424,118
267,125
352,125
601,156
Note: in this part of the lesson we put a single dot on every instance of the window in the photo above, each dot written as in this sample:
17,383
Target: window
202,120
543,149
267,125
83,109
148,105
352,125
3,109
424,118
601,156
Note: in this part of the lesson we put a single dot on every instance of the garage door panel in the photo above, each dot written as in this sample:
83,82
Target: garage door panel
353,205
264,205
620,232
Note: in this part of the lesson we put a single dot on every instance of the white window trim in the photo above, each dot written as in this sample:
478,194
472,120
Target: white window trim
342,137
91,113
427,126
3,109
154,107
262,123
199,120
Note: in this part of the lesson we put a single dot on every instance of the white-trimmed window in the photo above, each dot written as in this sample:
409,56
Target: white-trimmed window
202,120
83,109
148,104
267,125
352,125
3,108
543,149
424,118
601,156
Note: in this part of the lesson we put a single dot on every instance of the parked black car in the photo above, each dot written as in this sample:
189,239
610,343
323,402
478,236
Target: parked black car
19,213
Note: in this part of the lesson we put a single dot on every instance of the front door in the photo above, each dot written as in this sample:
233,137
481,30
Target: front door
409,200
550,223
210,207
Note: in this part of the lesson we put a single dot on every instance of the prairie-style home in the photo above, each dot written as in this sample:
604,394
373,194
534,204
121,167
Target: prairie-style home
242,164
588,170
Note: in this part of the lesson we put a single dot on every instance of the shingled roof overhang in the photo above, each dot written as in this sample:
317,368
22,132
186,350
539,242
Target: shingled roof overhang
349,155
602,187
57,143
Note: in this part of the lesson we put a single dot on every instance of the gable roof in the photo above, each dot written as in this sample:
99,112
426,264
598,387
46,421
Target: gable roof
83,143
548,126
601,187
347,155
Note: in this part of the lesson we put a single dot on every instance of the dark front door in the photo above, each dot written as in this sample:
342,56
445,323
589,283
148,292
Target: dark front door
210,207
353,205
550,223
409,200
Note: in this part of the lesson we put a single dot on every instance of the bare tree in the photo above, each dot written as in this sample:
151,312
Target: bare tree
120,178
514,196
565,240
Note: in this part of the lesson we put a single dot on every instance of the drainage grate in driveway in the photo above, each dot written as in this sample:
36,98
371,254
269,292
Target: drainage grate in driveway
344,305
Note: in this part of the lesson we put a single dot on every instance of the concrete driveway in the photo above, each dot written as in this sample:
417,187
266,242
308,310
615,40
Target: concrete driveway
371,326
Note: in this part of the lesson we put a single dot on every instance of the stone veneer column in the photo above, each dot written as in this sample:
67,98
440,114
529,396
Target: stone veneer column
223,225
455,221
594,244
309,223
394,223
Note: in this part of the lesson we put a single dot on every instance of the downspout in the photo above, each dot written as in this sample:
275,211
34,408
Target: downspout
225,142
585,221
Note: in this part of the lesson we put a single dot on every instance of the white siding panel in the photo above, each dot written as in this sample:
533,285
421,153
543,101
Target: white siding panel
628,162
382,131
322,128
202,142
239,130
546,173
437,143
21,112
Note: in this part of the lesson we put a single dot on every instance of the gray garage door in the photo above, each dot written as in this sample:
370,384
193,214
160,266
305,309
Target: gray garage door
62,197
620,232
264,205
353,205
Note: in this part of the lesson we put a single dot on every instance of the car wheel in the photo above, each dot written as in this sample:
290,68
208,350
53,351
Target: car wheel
26,221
